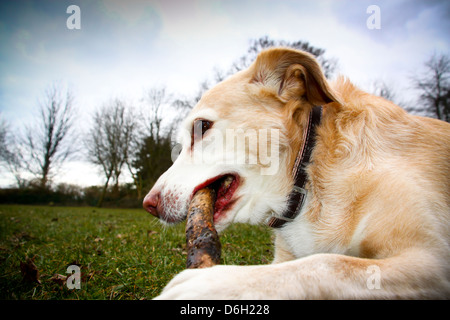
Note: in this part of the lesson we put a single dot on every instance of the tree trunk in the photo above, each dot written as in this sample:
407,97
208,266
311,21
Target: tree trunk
102,196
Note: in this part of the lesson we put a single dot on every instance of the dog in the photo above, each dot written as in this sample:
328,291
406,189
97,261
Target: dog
374,223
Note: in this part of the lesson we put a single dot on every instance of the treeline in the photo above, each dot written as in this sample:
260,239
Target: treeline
72,195
136,137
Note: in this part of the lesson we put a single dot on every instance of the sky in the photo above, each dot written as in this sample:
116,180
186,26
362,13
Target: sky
124,47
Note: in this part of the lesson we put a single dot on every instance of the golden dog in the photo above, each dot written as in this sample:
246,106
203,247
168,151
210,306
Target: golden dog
375,223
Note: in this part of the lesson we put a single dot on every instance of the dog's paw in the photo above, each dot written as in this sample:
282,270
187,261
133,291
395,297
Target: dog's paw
218,282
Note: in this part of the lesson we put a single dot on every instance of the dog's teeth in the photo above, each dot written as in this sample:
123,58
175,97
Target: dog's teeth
227,182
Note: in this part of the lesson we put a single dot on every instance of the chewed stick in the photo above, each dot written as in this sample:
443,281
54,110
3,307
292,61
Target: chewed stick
202,240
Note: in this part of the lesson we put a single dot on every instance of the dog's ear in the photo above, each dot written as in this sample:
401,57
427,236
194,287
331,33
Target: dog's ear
294,75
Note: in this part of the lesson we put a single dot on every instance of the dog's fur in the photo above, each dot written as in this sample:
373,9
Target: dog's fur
378,204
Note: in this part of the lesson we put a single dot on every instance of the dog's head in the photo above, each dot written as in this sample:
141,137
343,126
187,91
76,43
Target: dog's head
242,139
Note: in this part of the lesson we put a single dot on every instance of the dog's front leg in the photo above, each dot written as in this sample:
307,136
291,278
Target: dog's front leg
275,281
321,276
298,279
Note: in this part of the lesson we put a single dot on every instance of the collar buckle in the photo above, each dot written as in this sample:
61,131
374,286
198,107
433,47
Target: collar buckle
276,221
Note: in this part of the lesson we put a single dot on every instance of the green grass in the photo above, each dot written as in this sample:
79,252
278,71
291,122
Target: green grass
122,253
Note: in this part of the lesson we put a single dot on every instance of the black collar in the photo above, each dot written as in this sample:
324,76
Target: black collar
297,197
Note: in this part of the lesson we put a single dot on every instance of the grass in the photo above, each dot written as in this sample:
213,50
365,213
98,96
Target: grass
122,253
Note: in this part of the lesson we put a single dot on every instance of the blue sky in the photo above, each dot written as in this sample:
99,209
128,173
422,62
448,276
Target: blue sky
124,47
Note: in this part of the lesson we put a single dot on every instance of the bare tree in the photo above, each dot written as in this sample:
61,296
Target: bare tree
10,153
48,142
5,153
151,148
382,89
262,43
185,104
434,87
109,141
155,102
387,90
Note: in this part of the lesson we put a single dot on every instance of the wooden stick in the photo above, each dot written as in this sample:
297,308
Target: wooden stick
202,240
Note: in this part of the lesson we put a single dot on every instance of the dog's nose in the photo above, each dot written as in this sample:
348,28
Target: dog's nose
151,202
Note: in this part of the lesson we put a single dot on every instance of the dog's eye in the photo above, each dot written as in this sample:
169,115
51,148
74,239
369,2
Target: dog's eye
199,128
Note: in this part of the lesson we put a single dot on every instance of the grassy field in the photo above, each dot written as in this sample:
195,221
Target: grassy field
122,253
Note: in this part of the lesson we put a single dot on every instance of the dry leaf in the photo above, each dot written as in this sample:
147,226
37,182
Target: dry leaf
30,272
59,279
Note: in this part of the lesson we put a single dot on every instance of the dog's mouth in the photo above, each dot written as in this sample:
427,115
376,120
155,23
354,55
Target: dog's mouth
225,186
